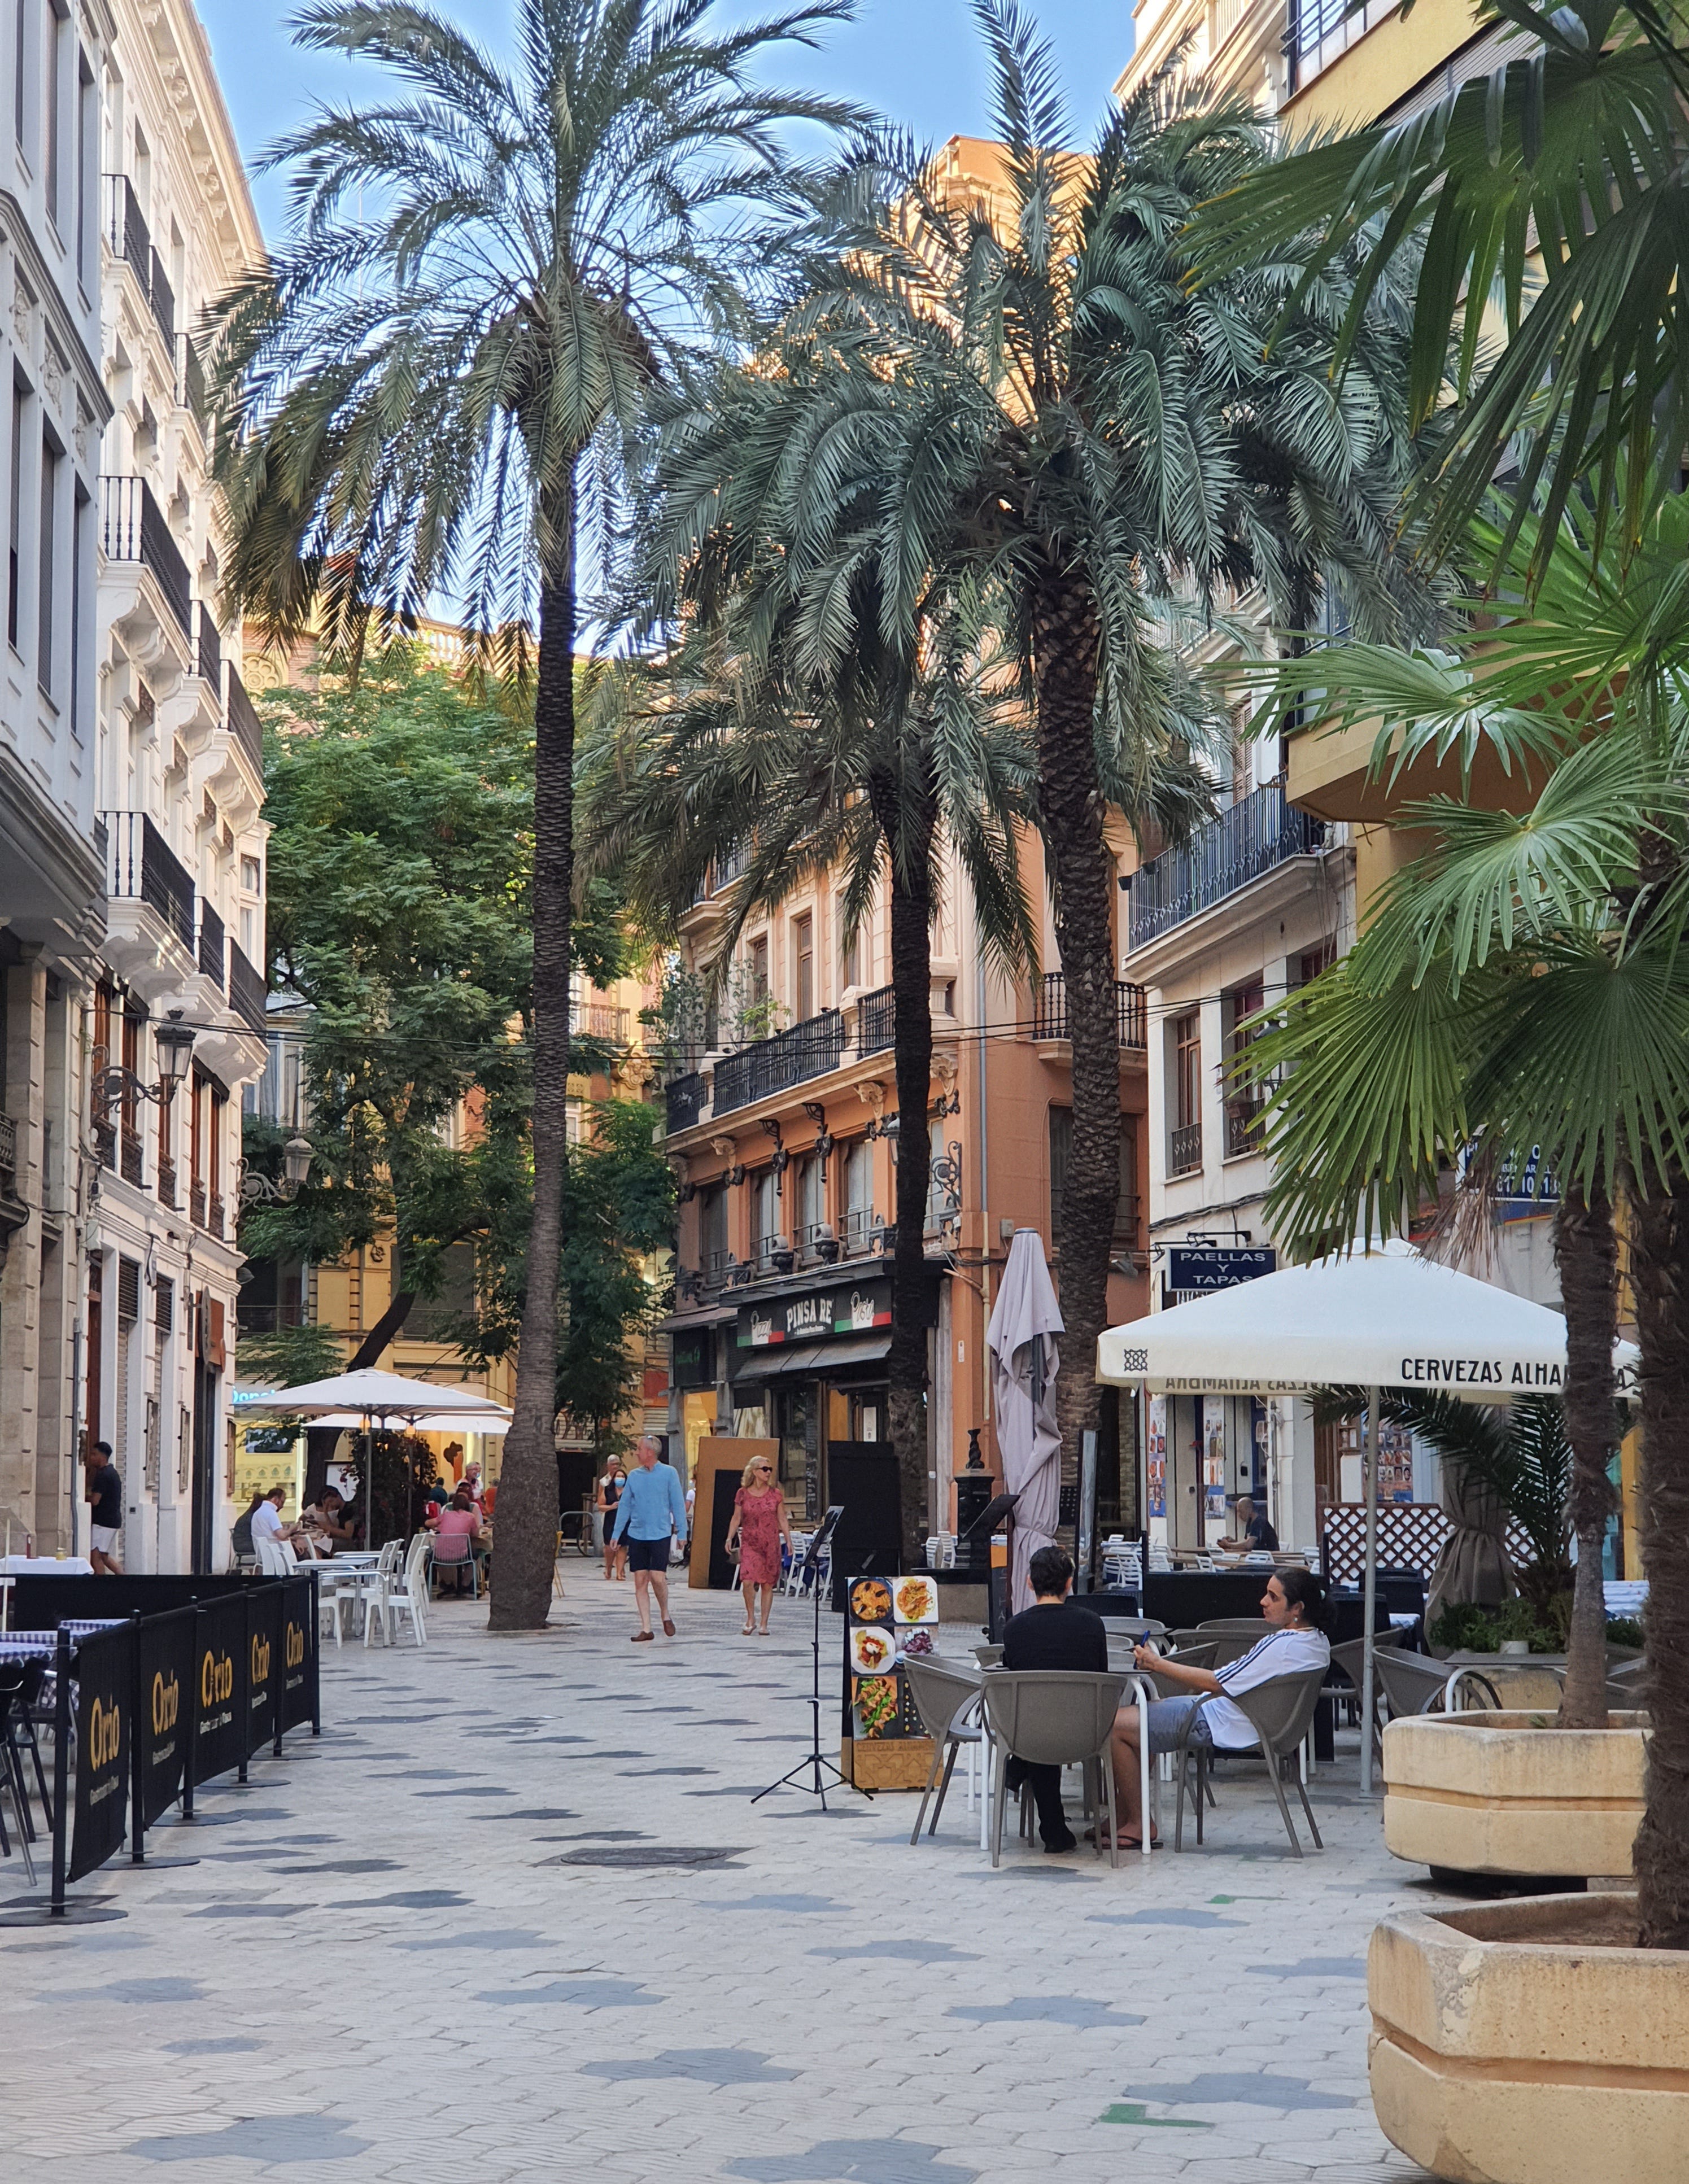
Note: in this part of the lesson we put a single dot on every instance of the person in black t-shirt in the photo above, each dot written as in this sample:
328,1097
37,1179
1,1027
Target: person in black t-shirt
105,1512
1255,1536
1054,1633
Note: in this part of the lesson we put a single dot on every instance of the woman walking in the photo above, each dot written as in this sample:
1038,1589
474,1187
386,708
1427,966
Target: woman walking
759,1525
604,1501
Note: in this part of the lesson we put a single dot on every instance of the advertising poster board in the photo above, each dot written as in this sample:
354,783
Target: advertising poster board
163,1711
105,1681
299,1652
264,1665
220,1646
886,1619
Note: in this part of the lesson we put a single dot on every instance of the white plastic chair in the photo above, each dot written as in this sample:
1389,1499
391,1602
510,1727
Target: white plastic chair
405,1594
377,1585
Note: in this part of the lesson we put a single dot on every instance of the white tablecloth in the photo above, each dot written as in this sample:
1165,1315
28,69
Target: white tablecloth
45,1566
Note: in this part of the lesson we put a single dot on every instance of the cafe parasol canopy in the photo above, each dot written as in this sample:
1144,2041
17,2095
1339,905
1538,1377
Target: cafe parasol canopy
1383,1318
372,1398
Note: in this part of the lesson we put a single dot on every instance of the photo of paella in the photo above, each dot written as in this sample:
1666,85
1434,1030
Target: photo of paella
870,1600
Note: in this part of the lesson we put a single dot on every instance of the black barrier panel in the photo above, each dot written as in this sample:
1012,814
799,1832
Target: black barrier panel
299,1654
38,1603
163,1710
264,1665
219,1688
105,1678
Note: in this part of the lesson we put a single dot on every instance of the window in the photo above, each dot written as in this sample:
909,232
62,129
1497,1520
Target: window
87,121
759,968
712,1227
50,460
767,1212
15,566
809,1200
1243,1108
81,520
252,876
1313,960
20,18
54,32
803,965
850,951
1185,1094
859,1192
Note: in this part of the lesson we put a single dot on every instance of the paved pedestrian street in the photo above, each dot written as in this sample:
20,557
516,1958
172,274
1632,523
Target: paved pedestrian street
514,1915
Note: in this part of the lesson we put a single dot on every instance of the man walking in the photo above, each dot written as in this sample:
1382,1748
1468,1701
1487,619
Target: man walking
105,1512
652,1510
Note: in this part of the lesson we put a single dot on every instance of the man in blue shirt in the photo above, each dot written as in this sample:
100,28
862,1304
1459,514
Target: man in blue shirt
652,1507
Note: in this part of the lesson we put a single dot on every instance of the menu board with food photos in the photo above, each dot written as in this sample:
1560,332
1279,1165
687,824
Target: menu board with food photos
886,1620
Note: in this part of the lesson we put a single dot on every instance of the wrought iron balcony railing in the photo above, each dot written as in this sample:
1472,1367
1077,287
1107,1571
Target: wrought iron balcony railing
1185,1149
245,990
133,528
140,867
808,1049
190,378
876,1021
1259,832
208,653
685,1101
1049,1009
212,948
244,725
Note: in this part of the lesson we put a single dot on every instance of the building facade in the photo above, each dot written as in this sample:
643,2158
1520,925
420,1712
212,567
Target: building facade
117,1297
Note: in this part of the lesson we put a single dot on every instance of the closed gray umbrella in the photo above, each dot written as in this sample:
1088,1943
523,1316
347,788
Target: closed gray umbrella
1473,1563
1025,1321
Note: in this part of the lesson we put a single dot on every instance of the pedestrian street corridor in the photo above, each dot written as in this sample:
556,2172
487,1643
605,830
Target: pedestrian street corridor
514,1915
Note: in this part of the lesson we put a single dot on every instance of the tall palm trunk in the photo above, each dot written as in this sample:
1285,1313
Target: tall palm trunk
527,1481
909,838
1065,638
1586,1256
1661,1276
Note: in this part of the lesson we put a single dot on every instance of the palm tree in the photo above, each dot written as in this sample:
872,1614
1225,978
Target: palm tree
1023,399
869,764
1524,982
1572,158
427,394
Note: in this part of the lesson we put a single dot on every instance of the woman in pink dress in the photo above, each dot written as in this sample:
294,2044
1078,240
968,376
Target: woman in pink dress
759,1525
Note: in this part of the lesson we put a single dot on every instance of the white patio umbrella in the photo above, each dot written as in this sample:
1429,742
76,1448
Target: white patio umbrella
1387,1317
366,1396
1025,1321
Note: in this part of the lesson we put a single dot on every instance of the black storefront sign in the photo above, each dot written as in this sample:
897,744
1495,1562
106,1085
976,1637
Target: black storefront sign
1200,1269
264,1663
299,1654
162,1718
219,1689
105,1682
828,1315
691,1357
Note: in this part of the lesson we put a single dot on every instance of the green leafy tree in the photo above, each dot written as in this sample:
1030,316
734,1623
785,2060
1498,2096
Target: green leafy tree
1027,400
426,392
1524,982
1554,188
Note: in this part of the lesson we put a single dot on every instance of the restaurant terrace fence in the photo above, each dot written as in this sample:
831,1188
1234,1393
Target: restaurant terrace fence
161,1684
1411,1535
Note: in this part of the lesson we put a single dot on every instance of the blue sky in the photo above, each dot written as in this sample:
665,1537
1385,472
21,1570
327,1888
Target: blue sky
917,61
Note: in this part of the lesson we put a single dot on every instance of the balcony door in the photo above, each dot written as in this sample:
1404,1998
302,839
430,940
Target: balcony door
803,967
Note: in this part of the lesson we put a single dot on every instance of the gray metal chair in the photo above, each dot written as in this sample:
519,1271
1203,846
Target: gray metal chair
1279,1712
1627,1685
1187,1657
1350,1657
1413,1685
943,1696
1052,1718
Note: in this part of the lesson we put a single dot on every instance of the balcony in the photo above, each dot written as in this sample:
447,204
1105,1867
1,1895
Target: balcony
167,1183
1319,31
162,297
1257,833
142,867
214,1216
132,528
599,1020
1185,1149
126,230
247,990
686,1097
212,947
722,874
876,1021
129,1154
208,653
196,1203
1050,1011
1243,1127
191,380
808,1049
244,725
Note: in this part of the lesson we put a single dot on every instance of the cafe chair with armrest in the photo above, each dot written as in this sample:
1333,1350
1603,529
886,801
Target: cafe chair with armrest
12,1783
1627,1683
1052,1718
1413,1685
405,1592
1279,1712
1350,1658
947,1700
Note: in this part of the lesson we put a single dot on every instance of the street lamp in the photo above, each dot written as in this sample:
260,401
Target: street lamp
173,1043
296,1166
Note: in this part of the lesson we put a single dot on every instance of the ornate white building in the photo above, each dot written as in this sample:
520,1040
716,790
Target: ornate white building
130,775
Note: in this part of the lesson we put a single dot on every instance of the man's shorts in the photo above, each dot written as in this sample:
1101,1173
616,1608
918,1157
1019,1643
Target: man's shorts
103,1538
1166,1718
646,1554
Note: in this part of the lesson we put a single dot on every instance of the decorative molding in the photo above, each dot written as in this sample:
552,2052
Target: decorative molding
872,1095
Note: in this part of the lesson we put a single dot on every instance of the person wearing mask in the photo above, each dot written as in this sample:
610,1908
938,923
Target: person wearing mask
1054,1633
1293,1607
651,1512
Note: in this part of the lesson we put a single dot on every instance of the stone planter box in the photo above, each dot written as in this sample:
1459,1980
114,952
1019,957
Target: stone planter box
1532,2042
1508,1793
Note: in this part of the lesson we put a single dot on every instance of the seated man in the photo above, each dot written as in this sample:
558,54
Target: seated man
1294,1609
1054,1633
1255,1536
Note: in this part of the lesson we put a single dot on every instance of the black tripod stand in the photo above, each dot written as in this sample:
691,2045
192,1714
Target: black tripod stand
815,1759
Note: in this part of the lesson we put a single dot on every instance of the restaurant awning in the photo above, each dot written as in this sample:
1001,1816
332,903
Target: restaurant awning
680,1322
810,1360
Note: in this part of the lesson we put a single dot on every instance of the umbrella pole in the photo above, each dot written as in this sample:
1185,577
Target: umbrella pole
1369,1590
369,1483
